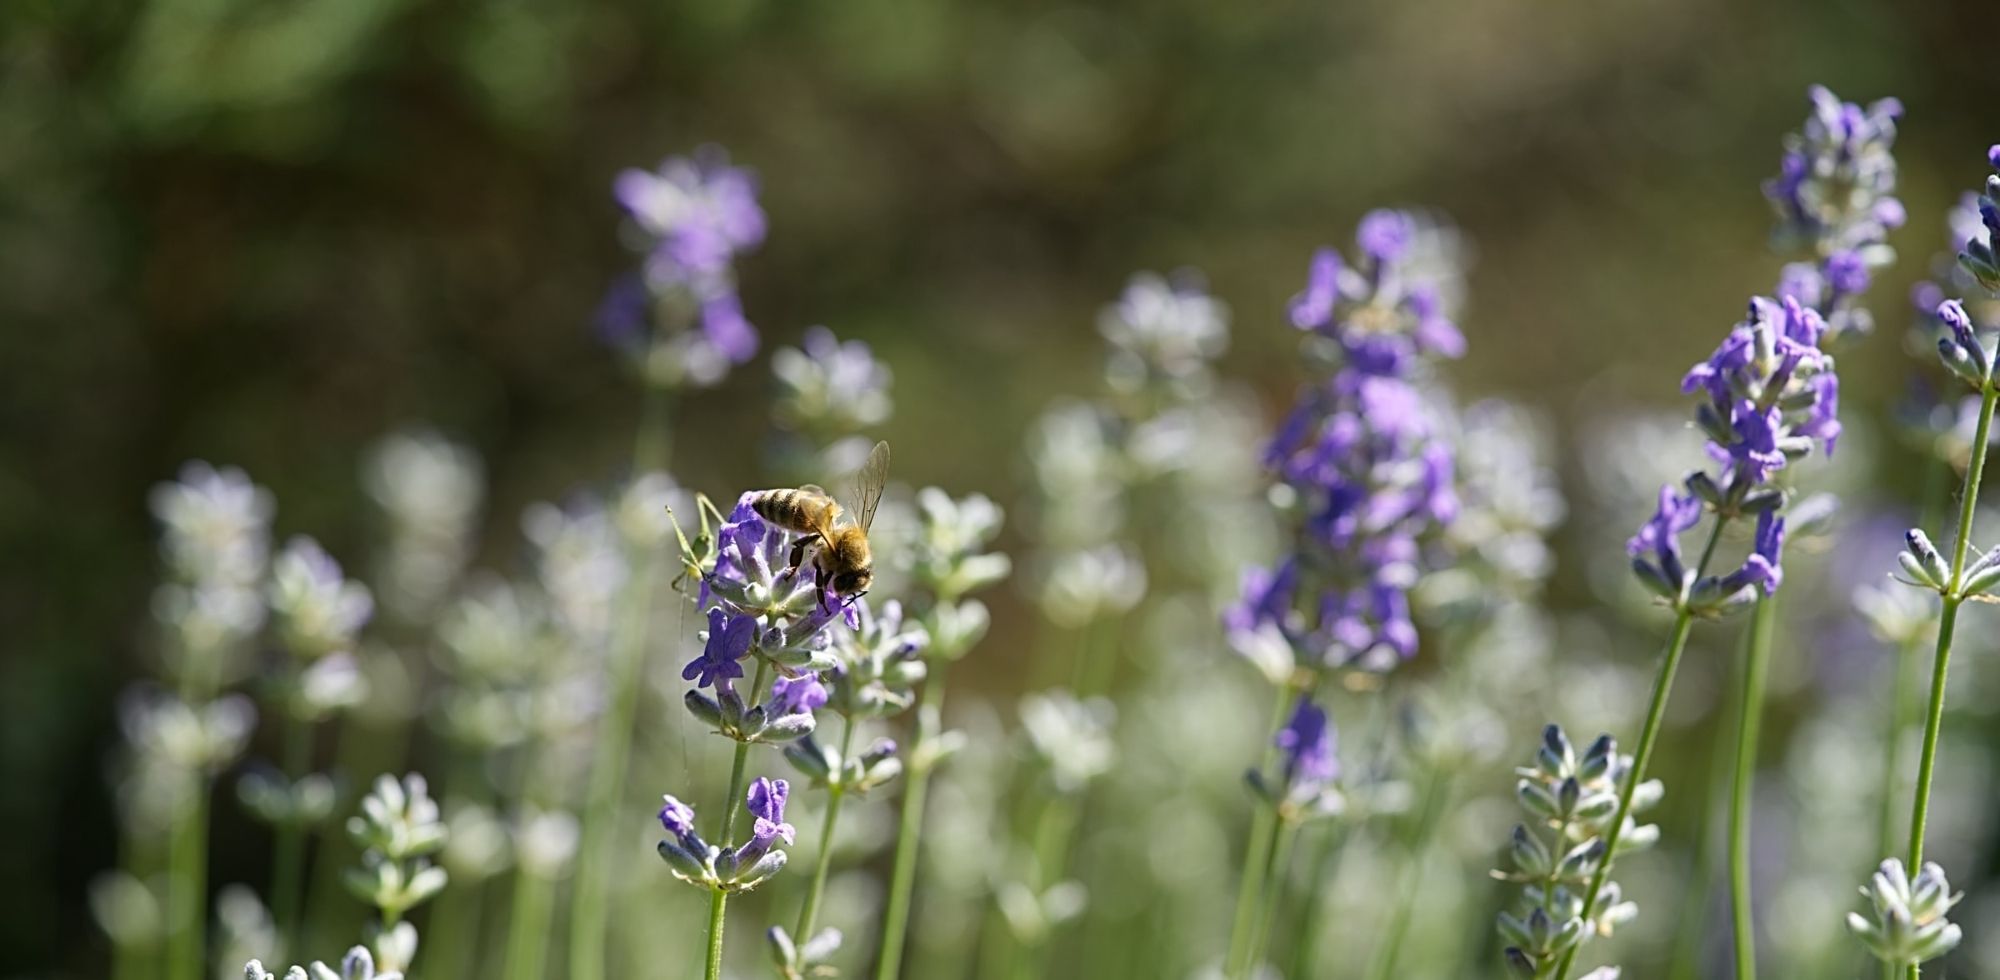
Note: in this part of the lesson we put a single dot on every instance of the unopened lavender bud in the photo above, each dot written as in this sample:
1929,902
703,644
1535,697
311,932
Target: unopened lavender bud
1556,755
1702,485
786,728
1537,800
1931,568
756,874
1568,794
1581,860
1519,962
1598,758
704,708
784,955
1531,856
1655,580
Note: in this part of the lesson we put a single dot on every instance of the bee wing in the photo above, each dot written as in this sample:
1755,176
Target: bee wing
825,531
868,482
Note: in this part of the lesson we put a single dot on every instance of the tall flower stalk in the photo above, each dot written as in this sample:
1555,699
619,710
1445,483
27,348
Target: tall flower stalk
876,668
1955,579
758,608
948,562
184,730
680,321
1768,395
1835,198
319,614
1365,479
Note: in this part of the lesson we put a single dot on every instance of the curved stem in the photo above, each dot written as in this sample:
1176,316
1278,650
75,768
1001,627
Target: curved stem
1750,710
1435,794
809,912
1276,861
589,916
1947,622
1263,826
187,895
289,845
1324,868
1656,711
909,821
716,906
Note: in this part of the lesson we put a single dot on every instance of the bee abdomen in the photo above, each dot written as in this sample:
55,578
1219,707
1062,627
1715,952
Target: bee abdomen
788,508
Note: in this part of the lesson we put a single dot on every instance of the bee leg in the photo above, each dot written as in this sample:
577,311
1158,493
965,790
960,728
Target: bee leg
798,555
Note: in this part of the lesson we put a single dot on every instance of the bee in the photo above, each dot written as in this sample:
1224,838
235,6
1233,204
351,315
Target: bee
837,537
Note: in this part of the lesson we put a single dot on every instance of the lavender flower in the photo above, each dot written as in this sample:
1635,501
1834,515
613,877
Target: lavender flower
1574,802
318,609
697,862
876,671
1367,477
1976,253
694,217
1164,332
727,643
759,606
830,386
430,490
399,828
1835,196
1769,395
1909,925
798,695
1304,785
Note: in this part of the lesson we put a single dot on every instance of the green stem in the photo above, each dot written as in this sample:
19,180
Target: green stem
1275,862
590,914
733,801
1096,664
1750,710
1903,705
289,846
809,913
1325,865
187,866
903,874
1435,793
1263,828
528,928
1947,622
452,932
1691,935
1656,712
716,905
1054,827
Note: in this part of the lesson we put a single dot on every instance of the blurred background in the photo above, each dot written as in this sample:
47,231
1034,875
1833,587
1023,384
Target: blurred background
270,234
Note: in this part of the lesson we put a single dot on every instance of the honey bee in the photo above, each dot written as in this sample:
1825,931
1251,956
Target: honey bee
837,537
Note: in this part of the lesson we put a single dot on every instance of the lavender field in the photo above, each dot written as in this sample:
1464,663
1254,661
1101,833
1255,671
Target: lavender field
520,490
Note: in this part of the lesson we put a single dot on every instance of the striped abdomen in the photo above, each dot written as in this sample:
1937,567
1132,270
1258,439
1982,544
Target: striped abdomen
801,511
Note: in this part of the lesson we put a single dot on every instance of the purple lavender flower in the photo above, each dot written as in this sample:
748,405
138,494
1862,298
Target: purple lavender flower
729,640
1362,455
766,802
1835,196
677,817
793,695
1976,251
1307,745
695,217
1660,536
1769,395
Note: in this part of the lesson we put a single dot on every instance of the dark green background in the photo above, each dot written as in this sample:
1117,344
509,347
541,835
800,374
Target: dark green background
267,233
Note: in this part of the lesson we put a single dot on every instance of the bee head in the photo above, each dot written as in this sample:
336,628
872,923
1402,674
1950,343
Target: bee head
853,582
